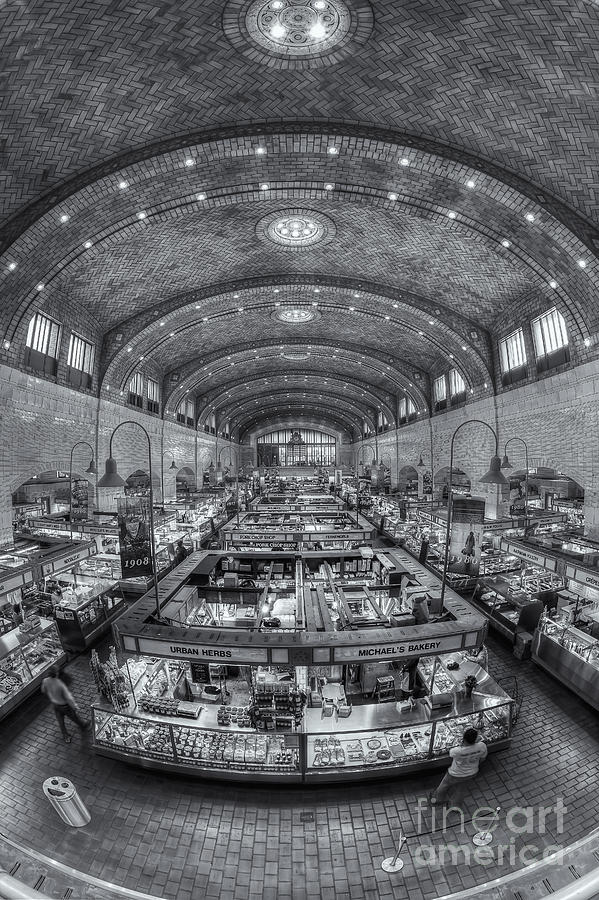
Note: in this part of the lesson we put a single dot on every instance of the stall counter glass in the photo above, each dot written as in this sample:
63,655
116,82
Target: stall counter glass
25,658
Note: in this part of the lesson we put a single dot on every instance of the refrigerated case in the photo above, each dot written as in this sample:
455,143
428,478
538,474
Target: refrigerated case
369,741
570,655
83,619
25,659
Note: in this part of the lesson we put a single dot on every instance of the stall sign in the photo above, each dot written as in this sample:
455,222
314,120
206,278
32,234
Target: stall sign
12,582
70,559
583,576
211,653
414,647
546,562
135,542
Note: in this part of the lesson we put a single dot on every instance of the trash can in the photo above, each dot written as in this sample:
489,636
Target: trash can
63,796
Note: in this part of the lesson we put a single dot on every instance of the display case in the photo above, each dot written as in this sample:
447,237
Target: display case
242,754
570,655
25,658
86,609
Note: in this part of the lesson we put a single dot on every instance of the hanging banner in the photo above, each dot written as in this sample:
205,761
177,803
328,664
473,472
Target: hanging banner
467,518
135,541
79,500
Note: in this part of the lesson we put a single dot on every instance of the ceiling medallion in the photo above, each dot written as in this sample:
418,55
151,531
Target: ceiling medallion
296,229
298,27
295,34
296,315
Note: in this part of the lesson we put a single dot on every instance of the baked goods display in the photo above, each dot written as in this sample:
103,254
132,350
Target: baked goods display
372,749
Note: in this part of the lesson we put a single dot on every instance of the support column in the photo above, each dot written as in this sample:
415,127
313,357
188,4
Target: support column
497,499
107,498
591,513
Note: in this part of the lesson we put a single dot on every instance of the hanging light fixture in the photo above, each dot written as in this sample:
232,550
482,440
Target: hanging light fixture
92,469
173,465
420,463
505,463
111,477
494,475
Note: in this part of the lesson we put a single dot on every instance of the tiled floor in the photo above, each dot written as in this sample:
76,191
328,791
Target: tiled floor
184,838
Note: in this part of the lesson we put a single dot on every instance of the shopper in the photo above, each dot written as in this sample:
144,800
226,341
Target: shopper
464,766
63,702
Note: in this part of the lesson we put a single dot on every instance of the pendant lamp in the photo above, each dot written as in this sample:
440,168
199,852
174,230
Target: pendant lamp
505,463
111,477
494,475
92,469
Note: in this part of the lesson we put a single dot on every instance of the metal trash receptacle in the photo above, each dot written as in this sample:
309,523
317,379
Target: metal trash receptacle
63,796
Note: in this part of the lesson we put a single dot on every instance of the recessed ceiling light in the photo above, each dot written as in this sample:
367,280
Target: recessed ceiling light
123,185
278,30
332,151
264,186
235,296
471,184
553,284
530,217
421,333
141,357
392,196
39,287
200,196
12,266
451,214
352,308
387,317
6,344
162,323
65,217
587,342
276,291
240,309
317,290
171,334
486,385
582,263
451,355
430,322
189,162
404,162
88,244
260,151
129,349
464,347
328,186
141,215
505,243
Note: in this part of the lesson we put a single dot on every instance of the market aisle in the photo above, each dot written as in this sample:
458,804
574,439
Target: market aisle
177,837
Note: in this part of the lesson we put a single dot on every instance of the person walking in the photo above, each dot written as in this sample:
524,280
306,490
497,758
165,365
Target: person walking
63,702
465,761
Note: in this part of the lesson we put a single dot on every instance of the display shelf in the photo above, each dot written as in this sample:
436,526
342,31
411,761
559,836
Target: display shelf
25,659
570,655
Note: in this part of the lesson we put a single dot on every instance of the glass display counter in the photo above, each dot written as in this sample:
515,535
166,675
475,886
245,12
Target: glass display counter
87,607
275,736
25,658
570,655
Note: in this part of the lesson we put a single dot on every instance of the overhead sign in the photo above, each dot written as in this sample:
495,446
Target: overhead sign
12,582
211,653
539,559
64,562
583,576
416,647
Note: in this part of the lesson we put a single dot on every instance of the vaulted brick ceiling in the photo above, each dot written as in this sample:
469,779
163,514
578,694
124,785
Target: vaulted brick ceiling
149,152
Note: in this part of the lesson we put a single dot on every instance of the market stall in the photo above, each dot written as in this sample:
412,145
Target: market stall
209,686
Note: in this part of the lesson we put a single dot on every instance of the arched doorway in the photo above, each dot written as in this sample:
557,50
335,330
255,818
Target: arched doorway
186,481
407,480
461,483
